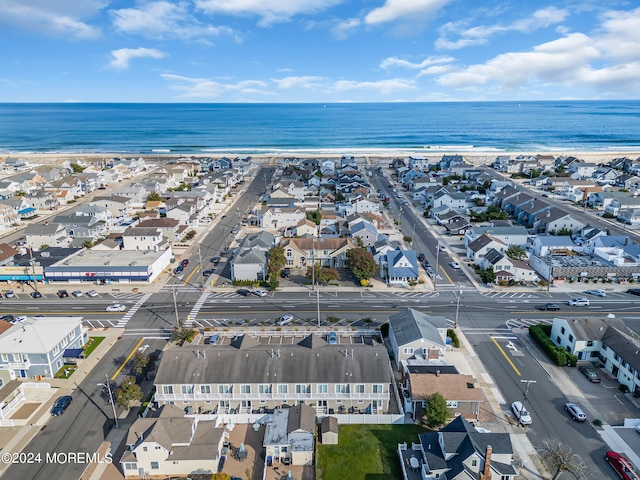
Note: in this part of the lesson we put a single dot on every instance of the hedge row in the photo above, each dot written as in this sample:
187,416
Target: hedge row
451,333
540,333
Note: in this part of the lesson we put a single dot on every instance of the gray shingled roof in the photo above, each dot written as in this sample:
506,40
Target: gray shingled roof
410,325
251,359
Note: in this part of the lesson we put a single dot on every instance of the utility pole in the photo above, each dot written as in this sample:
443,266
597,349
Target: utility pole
200,263
175,305
455,324
33,269
526,390
435,280
107,385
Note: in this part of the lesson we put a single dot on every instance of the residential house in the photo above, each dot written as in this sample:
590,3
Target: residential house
7,254
172,445
35,347
451,199
418,162
507,269
51,234
20,206
400,267
556,221
582,169
81,226
169,227
251,260
102,214
328,252
290,436
417,338
251,373
365,231
606,341
143,239
304,228
119,207
458,451
280,217
509,235
478,248
622,203
42,201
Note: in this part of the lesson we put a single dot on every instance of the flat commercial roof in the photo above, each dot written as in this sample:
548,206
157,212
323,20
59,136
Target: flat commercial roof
124,258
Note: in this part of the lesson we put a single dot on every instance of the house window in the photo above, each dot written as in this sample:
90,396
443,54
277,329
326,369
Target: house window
408,351
186,389
359,388
558,339
264,388
155,466
377,388
283,389
5,357
322,388
300,388
589,343
452,403
289,253
206,389
158,447
570,338
474,463
145,449
167,389
341,388
223,389
245,388
562,330
130,466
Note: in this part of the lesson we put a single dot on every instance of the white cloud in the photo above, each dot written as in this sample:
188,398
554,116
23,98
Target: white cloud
560,61
299,82
163,19
384,87
59,18
620,37
123,56
391,62
206,89
403,9
343,29
270,11
478,35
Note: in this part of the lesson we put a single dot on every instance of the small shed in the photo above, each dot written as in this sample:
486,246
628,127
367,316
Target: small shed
329,431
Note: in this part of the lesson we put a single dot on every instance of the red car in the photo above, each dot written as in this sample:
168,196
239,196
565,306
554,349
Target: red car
622,466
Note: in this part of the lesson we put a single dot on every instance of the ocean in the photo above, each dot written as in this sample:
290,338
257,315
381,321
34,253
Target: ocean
290,129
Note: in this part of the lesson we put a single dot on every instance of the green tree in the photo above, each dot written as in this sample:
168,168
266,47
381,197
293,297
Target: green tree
315,216
516,252
361,263
436,410
154,197
76,168
128,391
277,260
143,363
182,335
322,274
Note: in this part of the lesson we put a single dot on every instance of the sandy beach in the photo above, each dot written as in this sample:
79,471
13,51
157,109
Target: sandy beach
472,157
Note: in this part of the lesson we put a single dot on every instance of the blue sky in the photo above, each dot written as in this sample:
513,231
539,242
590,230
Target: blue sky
317,50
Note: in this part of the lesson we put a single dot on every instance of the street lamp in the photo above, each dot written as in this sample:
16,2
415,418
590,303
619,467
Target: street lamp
107,385
526,390
435,280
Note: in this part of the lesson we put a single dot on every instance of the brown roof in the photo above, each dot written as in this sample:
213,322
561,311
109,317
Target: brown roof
159,223
7,251
452,387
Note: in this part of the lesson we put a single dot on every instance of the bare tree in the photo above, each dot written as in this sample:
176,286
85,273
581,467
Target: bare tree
560,458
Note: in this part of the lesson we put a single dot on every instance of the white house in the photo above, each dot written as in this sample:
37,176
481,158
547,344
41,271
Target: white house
415,337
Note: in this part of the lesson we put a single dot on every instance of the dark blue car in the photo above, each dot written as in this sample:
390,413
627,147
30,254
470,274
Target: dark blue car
61,405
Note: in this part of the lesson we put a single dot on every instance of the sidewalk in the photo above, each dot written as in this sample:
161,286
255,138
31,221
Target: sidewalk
15,439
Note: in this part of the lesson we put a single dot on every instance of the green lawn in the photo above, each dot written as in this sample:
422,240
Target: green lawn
365,452
91,345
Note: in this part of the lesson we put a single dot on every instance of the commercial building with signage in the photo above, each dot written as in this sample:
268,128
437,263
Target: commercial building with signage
107,266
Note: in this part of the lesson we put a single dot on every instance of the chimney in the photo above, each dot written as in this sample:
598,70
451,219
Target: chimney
486,472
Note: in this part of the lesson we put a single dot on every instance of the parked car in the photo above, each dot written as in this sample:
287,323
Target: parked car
7,318
285,272
234,230
178,269
9,294
60,405
284,319
77,293
333,338
92,293
62,293
622,465
206,273
634,291
455,265
36,294
421,257
22,318
215,260
244,292
578,302
184,262
260,293
597,293
549,306
575,412
116,308
521,413
591,375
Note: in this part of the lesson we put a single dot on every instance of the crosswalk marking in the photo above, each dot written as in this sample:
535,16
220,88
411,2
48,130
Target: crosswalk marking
132,311
196,309
508,295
